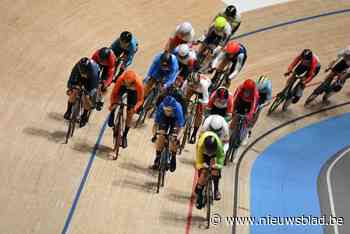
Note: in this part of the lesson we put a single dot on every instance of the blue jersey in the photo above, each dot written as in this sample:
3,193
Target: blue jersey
177,111
129,52
90,83
157,73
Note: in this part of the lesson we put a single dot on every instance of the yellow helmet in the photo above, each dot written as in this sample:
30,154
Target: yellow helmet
220,23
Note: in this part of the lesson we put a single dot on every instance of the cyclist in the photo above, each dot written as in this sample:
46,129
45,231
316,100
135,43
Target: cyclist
85,74
217,124
127,46
163,69
131,84
232,16
184,33
176,92
197,84
339,67
305,63
245,102
233,57
264,85
221,103
169,116
105,58
187,59
217,35
209,152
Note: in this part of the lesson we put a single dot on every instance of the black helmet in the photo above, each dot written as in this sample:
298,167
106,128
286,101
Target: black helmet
104,53
83,65
165,59
307,54
231,11
126,37
210,146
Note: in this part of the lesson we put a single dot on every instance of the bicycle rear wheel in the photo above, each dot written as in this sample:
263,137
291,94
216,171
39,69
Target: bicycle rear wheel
287,103
319,90
161,170
209,199
117,135
73,120
278,100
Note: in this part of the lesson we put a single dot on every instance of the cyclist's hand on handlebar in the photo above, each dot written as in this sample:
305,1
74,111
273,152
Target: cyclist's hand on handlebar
287,73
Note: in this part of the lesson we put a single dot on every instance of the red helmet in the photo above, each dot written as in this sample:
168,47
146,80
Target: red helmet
222,94
232,47
249,84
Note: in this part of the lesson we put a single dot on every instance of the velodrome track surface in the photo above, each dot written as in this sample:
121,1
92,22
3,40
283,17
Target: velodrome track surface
40,176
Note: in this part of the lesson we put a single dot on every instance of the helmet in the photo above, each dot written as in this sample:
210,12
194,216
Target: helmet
83,65
232,47
129,77
165,60
183,51
222,94
210,146
262,82
231,11
249,84
307,54
216,124
220,23
125,37
104,53
194,77
184,28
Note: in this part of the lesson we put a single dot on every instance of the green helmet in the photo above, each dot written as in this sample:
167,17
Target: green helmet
220,23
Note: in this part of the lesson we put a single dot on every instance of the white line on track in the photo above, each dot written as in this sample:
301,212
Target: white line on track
329,185
249,5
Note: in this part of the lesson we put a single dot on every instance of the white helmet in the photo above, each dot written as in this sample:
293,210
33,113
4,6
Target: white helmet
185,28
183,51
216,123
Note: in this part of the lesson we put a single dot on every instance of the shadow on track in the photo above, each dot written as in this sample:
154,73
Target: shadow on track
136,184
178,196
135,168
53,136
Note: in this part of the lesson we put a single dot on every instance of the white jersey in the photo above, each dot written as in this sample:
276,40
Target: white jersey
238,67
202,88
224,134
345,54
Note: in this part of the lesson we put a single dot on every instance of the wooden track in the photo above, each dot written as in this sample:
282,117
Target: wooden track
40,41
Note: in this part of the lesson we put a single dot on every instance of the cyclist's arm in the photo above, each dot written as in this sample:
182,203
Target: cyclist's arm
173,73
293,64
111,69
140,94
254,105
205,92
238,66
220,156
73,78
312,71
179,116
199,155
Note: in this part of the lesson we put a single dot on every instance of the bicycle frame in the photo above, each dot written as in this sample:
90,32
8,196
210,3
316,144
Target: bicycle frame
119,125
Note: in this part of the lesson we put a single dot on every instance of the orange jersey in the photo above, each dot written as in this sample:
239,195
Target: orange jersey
135,80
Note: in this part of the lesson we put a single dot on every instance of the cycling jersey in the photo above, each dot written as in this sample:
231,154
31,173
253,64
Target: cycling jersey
215,103
300,64
90,83
200,157
108,67
240,101
177,115
201,88
129,52
156,72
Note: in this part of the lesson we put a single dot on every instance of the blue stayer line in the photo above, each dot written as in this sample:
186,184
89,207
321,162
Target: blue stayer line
292,22
284,176
83,180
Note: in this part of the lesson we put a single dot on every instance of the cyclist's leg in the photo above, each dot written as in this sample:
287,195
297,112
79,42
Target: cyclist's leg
173,149
162,128
298,92
132,99
112,114
197,122
216,179
72,95
202,180
88,104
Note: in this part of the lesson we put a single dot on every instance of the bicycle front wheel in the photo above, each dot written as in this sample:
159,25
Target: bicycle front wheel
117,137
278,100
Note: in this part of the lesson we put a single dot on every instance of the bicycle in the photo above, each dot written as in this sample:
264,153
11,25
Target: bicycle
76,112
164,160
223,79
236,139
209,195
149,106
119,125
192,113
203,58
286,94
325,86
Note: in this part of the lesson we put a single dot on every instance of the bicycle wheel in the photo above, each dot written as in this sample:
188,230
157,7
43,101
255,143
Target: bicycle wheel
146,107
287,103
319,90
73,120
209,199
278,100
161,170
117,137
